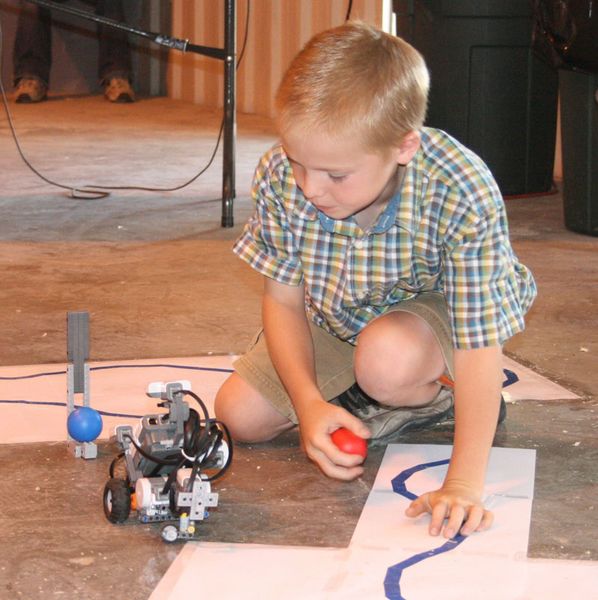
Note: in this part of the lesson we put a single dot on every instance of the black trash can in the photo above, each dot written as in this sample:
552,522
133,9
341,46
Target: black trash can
488,87
579,140
571,29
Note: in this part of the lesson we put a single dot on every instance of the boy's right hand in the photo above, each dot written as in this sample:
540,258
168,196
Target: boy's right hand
316,426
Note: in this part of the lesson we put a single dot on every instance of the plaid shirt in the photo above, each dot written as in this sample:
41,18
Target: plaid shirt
444,230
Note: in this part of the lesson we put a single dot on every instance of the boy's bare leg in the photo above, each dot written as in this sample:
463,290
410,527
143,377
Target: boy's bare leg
398,360
248,416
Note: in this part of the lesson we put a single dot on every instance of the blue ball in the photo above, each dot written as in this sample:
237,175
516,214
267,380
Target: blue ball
84,424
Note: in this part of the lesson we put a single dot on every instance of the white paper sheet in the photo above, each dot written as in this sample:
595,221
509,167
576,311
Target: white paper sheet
33,400
531,385
387,546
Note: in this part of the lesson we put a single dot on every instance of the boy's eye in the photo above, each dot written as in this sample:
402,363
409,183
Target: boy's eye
336,178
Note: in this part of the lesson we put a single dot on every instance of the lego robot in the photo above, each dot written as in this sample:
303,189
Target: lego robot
170,460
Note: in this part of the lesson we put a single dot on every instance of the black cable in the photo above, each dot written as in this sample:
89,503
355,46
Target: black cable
171,477
97,192
151,457
204,453
114,462
196,444
229,460
349,7
245,36
202,406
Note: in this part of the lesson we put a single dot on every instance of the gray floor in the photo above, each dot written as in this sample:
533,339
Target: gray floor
157,275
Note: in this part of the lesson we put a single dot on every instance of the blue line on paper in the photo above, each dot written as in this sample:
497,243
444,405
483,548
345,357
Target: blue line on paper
106,367
510,378
106,413
392,581
101,368
399,482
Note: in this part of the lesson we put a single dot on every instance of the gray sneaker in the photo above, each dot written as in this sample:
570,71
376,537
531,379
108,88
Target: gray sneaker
383,420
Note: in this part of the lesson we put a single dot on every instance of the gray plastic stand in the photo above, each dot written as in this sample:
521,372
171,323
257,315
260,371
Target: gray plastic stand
77,375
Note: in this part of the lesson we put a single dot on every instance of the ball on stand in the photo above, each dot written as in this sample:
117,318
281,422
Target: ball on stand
84,424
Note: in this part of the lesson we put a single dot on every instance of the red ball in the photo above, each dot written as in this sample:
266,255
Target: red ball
350,443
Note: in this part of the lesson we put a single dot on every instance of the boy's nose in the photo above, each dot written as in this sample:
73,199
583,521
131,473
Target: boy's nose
312,186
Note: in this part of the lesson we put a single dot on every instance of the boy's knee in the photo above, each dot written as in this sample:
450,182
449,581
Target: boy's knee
228,409
396,351
246,414
222,404
382,357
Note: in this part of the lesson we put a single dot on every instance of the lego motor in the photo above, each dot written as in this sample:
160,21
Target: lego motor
170,461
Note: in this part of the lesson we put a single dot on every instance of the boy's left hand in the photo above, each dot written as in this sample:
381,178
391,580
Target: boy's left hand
459,504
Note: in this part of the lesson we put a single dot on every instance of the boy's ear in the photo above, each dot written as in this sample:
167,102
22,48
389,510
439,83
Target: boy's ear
408,147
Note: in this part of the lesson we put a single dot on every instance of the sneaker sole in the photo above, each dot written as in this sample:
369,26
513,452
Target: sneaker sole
414,425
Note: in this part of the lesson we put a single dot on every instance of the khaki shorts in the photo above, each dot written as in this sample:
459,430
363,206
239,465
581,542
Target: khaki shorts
334,357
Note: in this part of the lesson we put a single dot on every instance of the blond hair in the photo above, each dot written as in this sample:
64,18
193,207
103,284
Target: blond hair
355,80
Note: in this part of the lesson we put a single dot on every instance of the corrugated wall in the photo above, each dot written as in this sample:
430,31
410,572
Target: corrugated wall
277,30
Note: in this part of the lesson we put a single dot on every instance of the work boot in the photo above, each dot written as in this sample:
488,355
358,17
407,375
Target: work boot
30,89
118,89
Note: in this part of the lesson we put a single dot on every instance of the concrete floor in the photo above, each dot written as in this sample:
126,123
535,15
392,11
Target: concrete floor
156,273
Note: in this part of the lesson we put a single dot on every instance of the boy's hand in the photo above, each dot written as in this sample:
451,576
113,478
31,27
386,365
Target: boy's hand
316,425
456,502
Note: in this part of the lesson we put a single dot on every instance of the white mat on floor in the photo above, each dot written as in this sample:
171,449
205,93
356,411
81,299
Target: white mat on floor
391,556
33,397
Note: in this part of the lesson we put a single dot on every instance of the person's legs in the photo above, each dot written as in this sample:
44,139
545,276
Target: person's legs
114,55
32,53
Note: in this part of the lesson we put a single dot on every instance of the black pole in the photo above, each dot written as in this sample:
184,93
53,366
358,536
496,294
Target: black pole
230,125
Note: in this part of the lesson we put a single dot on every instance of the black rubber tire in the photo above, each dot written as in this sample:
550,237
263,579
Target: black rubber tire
117,500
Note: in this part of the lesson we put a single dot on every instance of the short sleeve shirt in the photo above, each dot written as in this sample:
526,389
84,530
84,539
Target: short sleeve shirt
444,230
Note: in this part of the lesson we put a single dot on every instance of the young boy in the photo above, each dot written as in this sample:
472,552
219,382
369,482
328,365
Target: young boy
387,267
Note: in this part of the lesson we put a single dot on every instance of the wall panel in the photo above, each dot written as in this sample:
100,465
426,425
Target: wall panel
277,30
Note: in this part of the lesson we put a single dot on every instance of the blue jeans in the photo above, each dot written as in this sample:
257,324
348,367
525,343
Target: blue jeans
32,54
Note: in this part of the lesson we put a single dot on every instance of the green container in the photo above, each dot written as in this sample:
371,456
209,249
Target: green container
489,90
579,138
